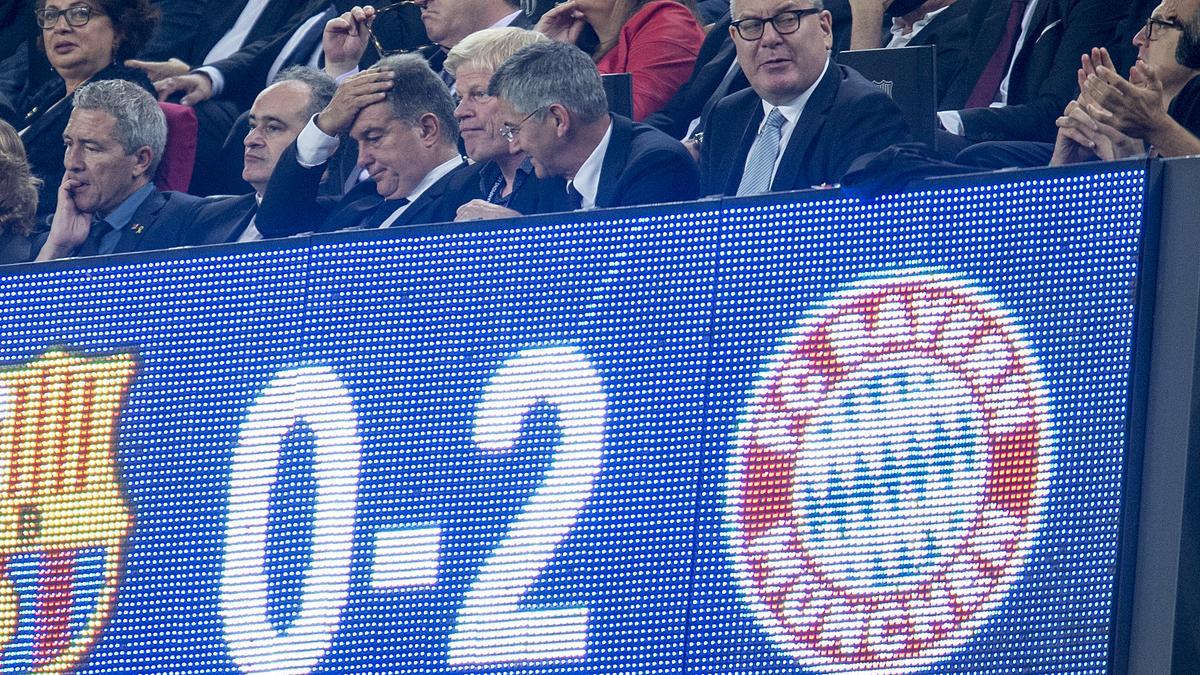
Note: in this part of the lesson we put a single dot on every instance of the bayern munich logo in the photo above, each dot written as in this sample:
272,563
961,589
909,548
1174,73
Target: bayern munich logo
890,475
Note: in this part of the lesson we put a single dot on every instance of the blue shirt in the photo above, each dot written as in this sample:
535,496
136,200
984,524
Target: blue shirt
119,218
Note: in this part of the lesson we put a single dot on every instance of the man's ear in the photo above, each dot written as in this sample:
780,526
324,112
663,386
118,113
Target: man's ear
143,158
561,118
429,129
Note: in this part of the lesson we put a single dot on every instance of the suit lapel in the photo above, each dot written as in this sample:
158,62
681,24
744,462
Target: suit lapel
615,158
427,204
811,121
755,113
143,220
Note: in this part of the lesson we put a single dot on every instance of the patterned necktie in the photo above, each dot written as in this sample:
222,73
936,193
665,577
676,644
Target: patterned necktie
988,84
760,165
95,238
382,212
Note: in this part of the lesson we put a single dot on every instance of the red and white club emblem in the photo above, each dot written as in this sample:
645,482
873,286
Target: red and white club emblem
890,475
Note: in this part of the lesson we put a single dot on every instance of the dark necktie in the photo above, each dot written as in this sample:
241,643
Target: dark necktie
993,73
382,212
574,198
308,44
91,245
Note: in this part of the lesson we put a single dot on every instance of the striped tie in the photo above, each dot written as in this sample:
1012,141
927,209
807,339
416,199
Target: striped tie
760,166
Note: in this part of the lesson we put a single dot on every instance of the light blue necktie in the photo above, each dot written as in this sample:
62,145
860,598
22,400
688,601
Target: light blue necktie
760,166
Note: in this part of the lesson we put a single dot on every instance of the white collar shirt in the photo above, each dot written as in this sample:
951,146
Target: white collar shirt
587,178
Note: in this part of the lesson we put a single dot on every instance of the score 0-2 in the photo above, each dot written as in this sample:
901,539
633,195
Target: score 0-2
490,625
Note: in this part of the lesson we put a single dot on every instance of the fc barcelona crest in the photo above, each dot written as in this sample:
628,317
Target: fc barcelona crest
64,517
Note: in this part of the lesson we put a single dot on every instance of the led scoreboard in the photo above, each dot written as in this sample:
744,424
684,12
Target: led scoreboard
792,434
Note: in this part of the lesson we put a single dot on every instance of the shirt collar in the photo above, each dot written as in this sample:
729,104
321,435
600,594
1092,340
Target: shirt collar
434,176
898,30
506,21
120,216
587,178
490,175
795,107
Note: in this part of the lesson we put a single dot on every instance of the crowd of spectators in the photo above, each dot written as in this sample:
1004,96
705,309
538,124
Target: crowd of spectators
324,115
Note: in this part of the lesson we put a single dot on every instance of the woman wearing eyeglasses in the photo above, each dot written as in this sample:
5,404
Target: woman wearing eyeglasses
85,41
655,41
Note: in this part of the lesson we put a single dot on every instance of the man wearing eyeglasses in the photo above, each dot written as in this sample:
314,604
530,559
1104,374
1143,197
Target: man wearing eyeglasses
1158,106
804,119
552,107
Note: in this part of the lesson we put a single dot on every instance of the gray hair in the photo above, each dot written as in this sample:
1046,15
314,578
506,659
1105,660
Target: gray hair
551,72
817,4
321,87
488,48
140,122
417,91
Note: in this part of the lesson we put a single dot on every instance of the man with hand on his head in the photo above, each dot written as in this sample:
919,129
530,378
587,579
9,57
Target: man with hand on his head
401,115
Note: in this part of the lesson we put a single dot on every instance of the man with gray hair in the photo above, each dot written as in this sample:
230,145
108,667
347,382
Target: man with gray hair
106,201
552,107
805,119
401,115
503,184
279,113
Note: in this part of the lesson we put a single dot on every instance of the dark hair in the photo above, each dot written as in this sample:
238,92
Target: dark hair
417,91
1187,52
133,23
18,195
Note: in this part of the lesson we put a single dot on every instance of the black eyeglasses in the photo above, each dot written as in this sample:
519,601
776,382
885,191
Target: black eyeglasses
76,16
375,40
510,131
1161,23
785,22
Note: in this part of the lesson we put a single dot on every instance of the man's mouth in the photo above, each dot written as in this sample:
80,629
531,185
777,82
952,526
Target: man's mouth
64,47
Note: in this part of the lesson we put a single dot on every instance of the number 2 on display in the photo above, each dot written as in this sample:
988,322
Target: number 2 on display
491,627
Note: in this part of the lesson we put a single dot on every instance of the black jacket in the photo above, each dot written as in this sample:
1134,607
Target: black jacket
845,117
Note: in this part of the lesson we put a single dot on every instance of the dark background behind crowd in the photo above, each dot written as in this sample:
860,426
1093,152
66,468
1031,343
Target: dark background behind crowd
286,116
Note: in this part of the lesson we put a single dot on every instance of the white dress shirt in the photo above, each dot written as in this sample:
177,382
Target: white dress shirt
791,111
587,178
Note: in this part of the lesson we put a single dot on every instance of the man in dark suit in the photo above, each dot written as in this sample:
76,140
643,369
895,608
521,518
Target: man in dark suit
402,117
276,118
552,107
1020,68
804,120
714,77
941,24
107,202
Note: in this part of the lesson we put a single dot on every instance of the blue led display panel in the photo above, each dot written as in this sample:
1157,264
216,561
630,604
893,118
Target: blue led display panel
779,435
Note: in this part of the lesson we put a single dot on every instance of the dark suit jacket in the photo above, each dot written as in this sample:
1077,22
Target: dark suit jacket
189,35
534,195
947,33
245,71
1043,77
162,221
845,117
291,203
642,165
220,220
712,63
47,115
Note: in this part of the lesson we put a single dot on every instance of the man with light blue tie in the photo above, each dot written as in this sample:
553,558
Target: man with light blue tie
804,119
